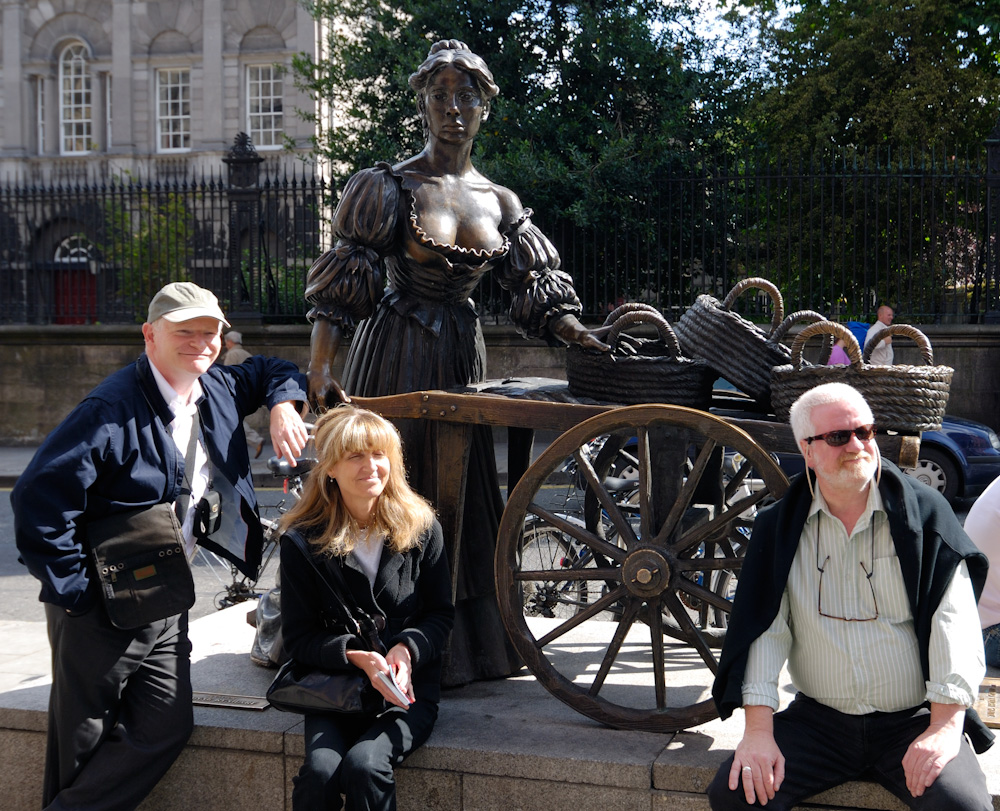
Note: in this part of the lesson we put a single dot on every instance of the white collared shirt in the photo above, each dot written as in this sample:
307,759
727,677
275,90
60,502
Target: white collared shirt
858,667
180,430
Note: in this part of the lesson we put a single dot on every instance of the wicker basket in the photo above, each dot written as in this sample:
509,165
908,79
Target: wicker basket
741,351
902,398
639,370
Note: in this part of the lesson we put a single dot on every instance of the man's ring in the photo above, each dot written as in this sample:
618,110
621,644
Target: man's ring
747,769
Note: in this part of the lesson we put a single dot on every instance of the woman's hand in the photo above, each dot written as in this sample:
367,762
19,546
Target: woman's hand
396,663
398,658
570,330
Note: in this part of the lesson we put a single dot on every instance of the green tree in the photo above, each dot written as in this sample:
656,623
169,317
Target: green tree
595,96
855,73
146,238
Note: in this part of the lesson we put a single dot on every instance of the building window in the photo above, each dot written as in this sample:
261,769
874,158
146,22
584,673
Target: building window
75,111
40,113
107,110
75,248
173,115
264,105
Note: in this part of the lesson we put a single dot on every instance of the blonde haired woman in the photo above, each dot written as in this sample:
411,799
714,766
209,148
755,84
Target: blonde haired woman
358,513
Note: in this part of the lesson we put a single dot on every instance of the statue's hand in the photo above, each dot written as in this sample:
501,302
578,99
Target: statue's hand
572,331
589,340
325,390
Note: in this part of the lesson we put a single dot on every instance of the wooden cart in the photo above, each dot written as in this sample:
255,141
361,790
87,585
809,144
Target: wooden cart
644,580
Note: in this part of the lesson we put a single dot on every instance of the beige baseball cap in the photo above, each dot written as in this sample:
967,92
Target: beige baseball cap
182,301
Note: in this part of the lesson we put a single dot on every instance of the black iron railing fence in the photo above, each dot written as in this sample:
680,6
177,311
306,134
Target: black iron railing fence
836,234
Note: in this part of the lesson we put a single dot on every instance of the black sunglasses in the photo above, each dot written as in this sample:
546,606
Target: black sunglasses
838,438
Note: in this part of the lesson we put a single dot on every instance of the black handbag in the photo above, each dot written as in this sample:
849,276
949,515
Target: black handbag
308,690
138,558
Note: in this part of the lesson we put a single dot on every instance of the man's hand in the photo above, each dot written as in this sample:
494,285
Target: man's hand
758,764
932,750
288,432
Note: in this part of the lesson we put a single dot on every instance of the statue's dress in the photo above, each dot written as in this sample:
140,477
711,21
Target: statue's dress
424,333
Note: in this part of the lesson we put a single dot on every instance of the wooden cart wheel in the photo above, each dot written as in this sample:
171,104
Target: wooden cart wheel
647,593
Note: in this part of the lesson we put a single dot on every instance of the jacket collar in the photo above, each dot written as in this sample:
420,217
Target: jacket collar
149,389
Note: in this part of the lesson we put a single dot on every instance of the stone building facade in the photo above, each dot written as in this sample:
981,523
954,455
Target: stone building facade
93,88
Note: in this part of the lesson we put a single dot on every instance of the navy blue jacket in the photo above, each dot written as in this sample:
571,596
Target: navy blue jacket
930,544
114,453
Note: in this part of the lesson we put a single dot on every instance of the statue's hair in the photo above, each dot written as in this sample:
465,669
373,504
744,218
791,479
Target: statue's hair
400,513
800,414
454,52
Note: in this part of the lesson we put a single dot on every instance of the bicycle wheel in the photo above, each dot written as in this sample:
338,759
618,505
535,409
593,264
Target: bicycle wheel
550,553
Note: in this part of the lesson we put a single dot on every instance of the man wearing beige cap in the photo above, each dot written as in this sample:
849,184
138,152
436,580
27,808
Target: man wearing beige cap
165,430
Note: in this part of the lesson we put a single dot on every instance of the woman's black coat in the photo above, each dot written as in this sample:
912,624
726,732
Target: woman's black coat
412,592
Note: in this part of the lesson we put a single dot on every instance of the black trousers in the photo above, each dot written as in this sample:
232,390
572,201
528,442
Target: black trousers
119,709
824,748
355,755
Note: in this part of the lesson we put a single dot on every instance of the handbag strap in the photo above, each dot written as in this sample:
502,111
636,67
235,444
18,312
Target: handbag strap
365,627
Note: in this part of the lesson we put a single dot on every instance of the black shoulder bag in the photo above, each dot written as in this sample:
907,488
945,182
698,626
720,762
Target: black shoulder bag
309,691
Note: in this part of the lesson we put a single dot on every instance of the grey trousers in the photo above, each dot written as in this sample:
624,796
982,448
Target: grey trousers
119,709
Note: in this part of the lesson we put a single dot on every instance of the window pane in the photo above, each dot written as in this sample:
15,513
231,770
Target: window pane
173,122
264,105
75,99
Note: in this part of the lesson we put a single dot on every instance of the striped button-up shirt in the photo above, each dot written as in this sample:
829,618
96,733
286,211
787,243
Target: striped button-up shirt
861,654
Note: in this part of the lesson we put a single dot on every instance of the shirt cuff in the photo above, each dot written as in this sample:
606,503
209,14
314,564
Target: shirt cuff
760,695
948,694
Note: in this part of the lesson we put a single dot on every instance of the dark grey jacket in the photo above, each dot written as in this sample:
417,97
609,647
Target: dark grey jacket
412,593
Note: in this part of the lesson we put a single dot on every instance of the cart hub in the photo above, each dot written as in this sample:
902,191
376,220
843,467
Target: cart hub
646,573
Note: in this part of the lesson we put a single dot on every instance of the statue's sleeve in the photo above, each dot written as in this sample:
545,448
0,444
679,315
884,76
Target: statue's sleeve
541,291
345,283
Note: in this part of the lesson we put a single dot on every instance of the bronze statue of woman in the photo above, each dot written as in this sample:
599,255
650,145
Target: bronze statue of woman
432,227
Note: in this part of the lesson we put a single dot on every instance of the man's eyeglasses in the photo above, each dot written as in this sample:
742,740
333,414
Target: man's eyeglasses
838,438
868,578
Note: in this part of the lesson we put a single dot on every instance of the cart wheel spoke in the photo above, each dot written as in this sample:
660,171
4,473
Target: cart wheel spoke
676,609
614,647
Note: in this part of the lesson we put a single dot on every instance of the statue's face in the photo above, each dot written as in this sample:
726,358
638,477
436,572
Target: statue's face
454,106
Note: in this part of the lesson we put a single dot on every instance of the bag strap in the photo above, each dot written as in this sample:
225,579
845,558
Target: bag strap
190,454
365,627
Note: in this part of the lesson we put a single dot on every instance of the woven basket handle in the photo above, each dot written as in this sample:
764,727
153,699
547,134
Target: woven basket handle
793,318
921,340
838,331
766,286
630,319
629,307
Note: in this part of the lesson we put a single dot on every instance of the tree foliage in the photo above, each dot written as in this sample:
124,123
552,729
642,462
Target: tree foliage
853,73
594,95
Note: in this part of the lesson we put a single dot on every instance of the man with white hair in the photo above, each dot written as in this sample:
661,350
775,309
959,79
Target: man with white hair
866,585
165,430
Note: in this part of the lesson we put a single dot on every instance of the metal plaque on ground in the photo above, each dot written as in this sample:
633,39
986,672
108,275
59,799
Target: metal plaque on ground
232,702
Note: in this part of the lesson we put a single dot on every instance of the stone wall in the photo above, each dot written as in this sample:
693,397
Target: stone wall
45,371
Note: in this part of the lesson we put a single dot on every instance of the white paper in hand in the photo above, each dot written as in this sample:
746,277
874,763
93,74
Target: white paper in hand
390,682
